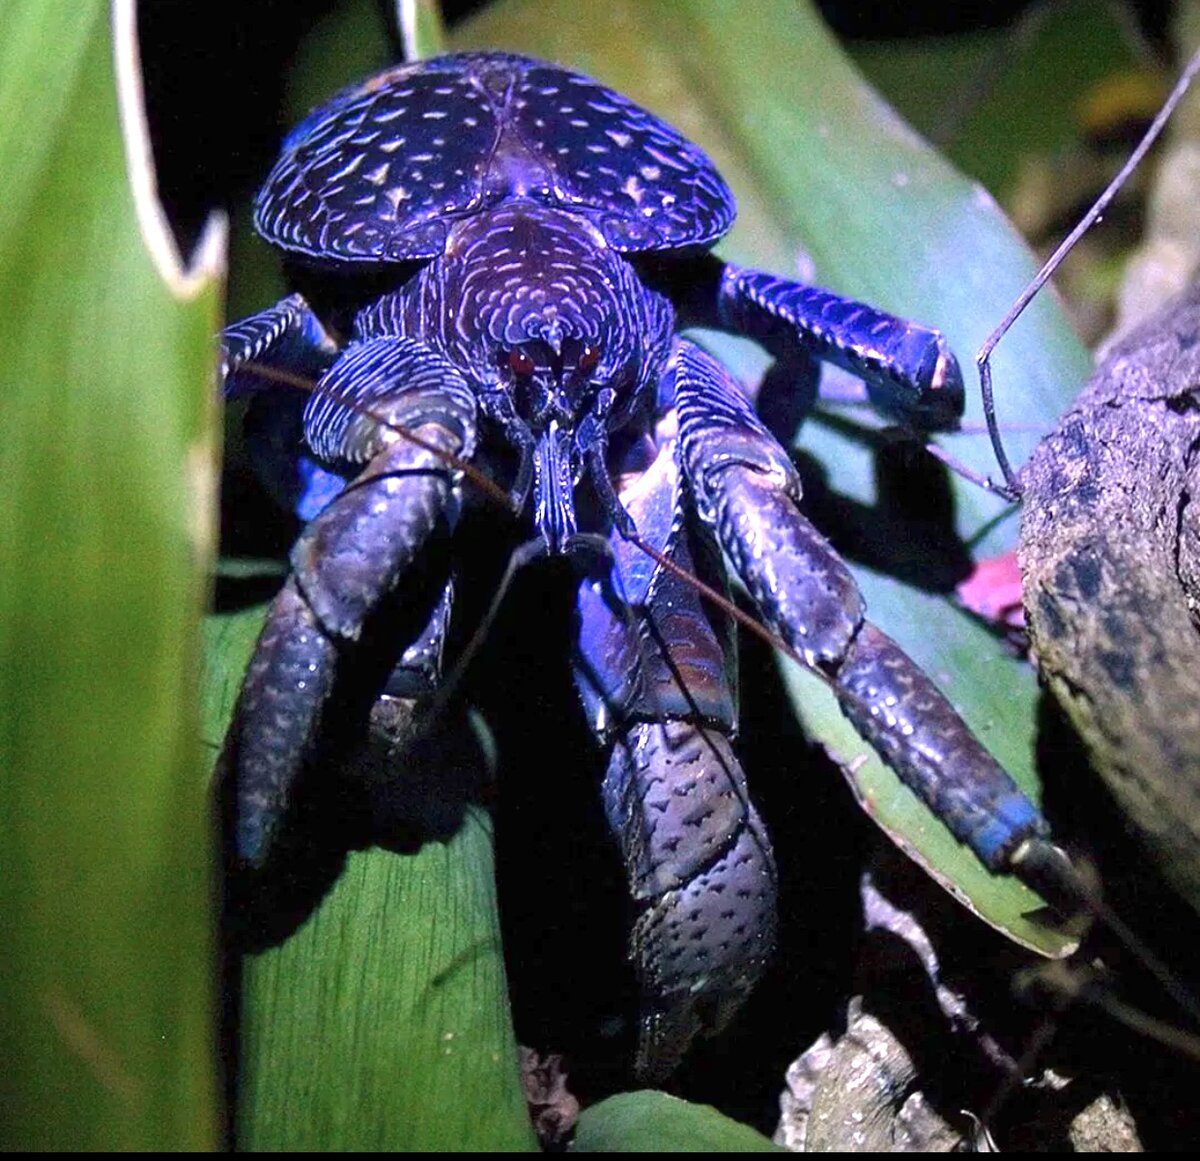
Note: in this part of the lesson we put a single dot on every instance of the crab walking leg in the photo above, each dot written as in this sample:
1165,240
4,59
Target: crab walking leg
909,370
655,672
269,359
289,678
287,335
747,491
346,561
700,865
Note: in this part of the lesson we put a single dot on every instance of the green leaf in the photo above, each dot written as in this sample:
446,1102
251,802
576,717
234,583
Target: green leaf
106,476
653,1122
1001,98
383,1021
422,29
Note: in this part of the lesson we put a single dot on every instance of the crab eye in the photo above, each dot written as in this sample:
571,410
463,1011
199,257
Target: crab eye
519,363
588,358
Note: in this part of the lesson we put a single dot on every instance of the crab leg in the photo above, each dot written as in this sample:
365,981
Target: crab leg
655,672
700,865
268,358
747,491
287,335
909,371
346,561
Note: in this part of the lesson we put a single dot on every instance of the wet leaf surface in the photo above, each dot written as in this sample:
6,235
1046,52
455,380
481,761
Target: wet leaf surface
654,1122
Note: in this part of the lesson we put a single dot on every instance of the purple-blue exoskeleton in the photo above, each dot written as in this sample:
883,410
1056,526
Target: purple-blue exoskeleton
529,245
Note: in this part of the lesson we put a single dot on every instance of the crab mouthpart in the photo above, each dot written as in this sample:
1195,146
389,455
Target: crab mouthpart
554,472
543,403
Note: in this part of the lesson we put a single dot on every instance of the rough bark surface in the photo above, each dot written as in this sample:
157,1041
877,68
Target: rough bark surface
1110,552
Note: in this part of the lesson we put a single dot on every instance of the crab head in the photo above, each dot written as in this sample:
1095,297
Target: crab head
564,343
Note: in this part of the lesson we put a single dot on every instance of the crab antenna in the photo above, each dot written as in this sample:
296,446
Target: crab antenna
1012,485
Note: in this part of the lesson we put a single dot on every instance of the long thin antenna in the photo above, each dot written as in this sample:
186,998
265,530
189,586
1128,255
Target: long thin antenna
1011,489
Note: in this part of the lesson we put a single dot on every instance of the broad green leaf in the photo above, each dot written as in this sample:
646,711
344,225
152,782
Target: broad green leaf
106,472
653,1122
383,1021
422,29
1023,86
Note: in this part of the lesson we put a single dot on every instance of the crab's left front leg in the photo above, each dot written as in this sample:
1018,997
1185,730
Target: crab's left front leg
747,491
910,373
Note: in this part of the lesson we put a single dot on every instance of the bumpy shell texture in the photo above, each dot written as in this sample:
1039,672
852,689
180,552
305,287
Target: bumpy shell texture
382,171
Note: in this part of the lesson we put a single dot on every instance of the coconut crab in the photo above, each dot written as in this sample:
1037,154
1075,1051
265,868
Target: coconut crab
522,246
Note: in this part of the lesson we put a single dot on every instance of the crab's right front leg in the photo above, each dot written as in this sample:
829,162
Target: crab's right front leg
272,360
286,337
404,412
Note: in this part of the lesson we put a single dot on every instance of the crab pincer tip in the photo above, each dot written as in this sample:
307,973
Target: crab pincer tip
1049,871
